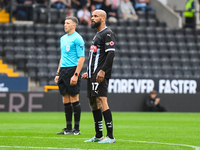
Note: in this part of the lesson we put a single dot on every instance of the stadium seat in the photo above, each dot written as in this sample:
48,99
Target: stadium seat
152,22
150,30
166,65
30,42
175,58
155,65
58,27
186,65
127,73
141,14
19,34
160,30
169,31
197,74
52,50
190,39
137,73
20,53
51,27
147,73
142,22
131,38
167,73
136,64
146,65
9,54
19,42
42,15
140,30
161,38
123,23
157,74
9,42
176,65
121,37
178,74
51,42
189,31
151,38
132,23
162,24
8,27
155,57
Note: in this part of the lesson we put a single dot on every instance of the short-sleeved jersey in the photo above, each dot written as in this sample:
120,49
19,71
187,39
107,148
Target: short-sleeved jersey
103,42
72,47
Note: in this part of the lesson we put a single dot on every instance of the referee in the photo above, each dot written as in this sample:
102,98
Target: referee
102,52
67,77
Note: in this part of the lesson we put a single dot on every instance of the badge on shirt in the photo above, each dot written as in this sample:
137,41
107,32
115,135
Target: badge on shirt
93,48
112,43
67,48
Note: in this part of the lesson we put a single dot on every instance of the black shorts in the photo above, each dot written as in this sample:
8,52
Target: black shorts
65,75
94,89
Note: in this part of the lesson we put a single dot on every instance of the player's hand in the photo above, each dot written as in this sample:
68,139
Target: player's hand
100,76
73,80
157,101
56,79
84,76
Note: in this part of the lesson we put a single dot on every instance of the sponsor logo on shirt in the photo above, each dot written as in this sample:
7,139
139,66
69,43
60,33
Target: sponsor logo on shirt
67,48
93,48
81,46
109,35
112,43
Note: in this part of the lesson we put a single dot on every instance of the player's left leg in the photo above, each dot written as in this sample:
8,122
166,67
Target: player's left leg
103,104
77,113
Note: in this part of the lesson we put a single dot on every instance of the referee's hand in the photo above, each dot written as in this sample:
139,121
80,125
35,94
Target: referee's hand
56,79
100,76
73,80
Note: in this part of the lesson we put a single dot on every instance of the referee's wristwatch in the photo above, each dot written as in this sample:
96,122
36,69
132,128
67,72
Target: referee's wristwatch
76,74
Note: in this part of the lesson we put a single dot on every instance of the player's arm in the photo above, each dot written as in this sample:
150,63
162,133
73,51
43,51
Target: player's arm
110,49
80,64
80,47
108,62
57,74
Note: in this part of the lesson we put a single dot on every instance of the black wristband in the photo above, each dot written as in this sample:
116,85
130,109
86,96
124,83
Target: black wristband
57,74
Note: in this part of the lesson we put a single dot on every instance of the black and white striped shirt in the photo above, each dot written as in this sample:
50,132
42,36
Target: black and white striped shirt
103,42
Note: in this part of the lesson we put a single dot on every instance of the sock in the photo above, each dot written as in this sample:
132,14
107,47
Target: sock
98,123
109,124
68,115
77,114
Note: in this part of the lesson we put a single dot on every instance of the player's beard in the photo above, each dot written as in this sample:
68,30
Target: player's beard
96,24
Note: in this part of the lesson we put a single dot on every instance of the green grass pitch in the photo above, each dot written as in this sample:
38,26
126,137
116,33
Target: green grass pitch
132,130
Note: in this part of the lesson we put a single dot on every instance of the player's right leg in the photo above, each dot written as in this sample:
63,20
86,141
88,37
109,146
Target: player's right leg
68,115
97,115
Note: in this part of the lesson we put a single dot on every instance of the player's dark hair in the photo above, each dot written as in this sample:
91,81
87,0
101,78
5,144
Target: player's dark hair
74,19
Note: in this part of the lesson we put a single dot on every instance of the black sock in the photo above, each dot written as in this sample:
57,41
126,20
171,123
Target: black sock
109,124
68,115
77,114
98,123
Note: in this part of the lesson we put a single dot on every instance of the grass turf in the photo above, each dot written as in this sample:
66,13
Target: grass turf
133,131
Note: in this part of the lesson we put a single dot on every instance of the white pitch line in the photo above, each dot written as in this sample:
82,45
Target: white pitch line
161,143
31,147
184,145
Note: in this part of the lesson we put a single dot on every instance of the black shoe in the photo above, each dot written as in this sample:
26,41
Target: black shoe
76,132
65,131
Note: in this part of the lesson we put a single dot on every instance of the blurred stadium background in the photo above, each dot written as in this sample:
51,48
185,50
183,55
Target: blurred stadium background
156,46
